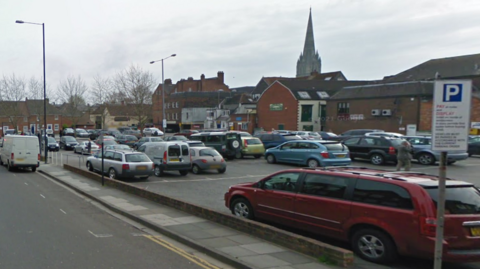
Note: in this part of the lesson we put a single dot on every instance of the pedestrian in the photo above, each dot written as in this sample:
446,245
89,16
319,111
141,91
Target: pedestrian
89,146
404,156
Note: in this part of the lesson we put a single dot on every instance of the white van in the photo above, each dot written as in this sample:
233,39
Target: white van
19,151
168,156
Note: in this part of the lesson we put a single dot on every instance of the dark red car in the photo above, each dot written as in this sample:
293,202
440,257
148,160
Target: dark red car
382,214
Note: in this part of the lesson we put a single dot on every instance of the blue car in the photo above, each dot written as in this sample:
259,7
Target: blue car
311,153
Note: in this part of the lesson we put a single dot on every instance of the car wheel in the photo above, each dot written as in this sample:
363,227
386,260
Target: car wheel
271,158
221,171
257,156
158,171
312,163
374,245
377,159
196,169
89,166
183,172
112,174
452,162
238,155
241,208
34,169
426,159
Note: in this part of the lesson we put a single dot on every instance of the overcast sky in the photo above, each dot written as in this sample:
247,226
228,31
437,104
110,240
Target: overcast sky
365,39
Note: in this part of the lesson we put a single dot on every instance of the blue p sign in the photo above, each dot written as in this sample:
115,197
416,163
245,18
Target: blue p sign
452,93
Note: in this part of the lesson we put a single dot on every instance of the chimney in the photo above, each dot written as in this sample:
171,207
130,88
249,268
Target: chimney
220,76
168,81
190,78
202,77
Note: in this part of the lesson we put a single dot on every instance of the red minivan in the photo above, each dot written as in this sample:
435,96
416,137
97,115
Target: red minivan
382,214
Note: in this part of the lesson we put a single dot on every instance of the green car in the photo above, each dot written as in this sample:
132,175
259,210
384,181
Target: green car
252,146
228,144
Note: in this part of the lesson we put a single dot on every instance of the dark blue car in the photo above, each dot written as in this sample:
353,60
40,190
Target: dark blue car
272,140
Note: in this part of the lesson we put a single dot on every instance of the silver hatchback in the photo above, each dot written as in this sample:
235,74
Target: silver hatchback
121,164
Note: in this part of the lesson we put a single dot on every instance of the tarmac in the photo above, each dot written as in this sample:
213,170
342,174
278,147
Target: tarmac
225,244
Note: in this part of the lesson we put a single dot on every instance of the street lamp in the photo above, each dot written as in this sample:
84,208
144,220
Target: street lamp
44,88
164,122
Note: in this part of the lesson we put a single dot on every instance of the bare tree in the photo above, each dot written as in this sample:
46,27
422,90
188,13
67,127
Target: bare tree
135,87
102,93
13,91
72,93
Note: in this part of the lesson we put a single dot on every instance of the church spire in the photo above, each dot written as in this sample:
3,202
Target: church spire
309,61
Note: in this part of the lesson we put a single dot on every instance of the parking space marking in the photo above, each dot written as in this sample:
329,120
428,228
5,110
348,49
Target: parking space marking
203,179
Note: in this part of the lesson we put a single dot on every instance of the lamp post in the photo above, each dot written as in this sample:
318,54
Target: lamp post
44,88
164,122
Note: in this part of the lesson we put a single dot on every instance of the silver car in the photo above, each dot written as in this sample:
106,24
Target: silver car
82,148
205,158
121,164
423,153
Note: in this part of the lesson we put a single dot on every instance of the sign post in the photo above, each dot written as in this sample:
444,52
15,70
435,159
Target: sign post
103,160
450,128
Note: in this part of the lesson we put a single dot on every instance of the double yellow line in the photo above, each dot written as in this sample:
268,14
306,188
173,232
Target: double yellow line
201,262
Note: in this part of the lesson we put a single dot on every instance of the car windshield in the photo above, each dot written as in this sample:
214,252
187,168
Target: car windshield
81,131
136,158
253,141
334,146
458,200
70,139
52,140
209,152
131,137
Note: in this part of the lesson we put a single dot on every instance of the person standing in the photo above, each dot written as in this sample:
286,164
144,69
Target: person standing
404,156
89,146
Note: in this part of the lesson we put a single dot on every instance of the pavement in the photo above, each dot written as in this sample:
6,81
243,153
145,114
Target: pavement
228,245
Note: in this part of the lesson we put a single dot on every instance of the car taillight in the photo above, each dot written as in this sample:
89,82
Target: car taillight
325,154
222,160
39,156
165,156
428,226
12,156
125,167
224,147
203,161
246,143
391,150
153,166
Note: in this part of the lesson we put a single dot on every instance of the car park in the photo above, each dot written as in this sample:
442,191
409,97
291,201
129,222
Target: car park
52,144
311,153
251,146
152,132
128,140
228,144
205,158
68,142
474,146
144,140
382,214
379,150
119,164
423,153
271,140
168,156
82,147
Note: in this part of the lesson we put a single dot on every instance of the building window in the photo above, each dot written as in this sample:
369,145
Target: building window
307,113
38,119
176,104
56,117
245,126
56,127
168,105
343,108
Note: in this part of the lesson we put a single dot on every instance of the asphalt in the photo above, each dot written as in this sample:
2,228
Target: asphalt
228,245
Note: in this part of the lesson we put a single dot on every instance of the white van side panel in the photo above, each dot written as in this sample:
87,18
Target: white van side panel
25,150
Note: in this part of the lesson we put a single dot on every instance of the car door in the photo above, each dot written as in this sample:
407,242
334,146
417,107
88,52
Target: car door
284,153
97,161
365,146
300,151
107,161
274,200
353,146
321,205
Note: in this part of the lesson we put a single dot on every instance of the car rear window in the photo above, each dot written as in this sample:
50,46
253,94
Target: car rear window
232,136
131,137
458,200
174,150
136,158
209,152
253,141
334,146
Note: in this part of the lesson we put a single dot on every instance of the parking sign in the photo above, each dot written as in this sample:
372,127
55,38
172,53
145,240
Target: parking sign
451,115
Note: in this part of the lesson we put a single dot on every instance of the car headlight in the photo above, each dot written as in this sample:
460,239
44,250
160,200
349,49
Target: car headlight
56,145
68,144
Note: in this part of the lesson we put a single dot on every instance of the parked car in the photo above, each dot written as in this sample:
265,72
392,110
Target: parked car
143,140
129,140
226,143
135,133
355,132
175,138
113,133
106,142
68,132
389,134
308,135
168,156
118,147
93,134
193,143
328,135
312,153
52,144
377,149
474,146
68,142
81,133
152,131
423,153
252,146
382,214
82,148
122,129
120,164
187,132
206,158
272,140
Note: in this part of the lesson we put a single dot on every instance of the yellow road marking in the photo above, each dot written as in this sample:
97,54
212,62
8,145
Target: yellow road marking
201,262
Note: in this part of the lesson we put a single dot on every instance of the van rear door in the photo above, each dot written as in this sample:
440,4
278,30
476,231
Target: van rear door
25,151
